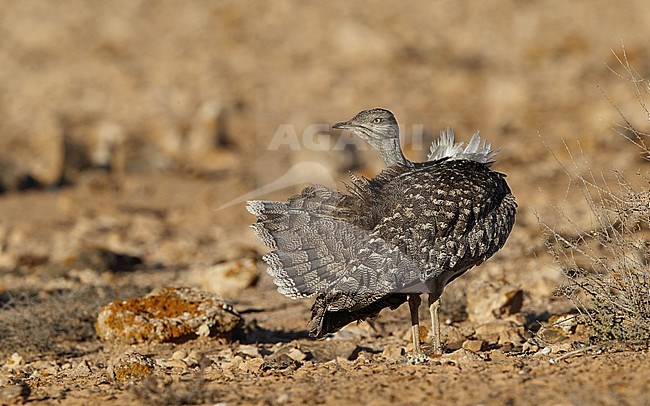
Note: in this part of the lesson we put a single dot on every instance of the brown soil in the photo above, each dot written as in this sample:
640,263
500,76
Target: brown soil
132,131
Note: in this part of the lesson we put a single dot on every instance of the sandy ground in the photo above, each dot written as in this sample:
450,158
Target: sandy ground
139,128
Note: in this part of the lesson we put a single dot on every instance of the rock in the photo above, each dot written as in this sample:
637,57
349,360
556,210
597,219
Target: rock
227,279
14,361
103,259
297,355
475,345
565,322
172,363
249,350
454,337
191,362
93,143
170,314
206,129
14,394
82,370
278,361
515,336
393,352
561,347
130,367
354,331
462,356
530,346
252,365
203,331
552,335
487,301
501,332
44,150
180,354
327,351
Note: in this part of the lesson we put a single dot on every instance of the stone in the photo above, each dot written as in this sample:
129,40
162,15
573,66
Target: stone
14,394
297,355
180,354
252,365
501,332
191,362
354,331
475,345
552,335
93,143
170,314
173,363
130,367
15,361
249,350
323,352
279,361
103,259
454,337
565,322
529,347
82,370
461,356
393,352
227,279
487,301
515,336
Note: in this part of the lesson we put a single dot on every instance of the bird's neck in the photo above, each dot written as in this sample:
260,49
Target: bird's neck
391,151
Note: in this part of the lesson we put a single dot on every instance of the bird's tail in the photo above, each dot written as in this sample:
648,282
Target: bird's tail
307,252
319,247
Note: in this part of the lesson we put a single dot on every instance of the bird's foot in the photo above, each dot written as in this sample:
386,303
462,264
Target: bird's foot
436,346
417,359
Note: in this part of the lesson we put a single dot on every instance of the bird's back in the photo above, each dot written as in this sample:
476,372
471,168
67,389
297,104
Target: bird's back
445,215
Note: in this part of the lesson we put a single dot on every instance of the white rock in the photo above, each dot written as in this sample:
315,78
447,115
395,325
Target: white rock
180,354
250,350
296,355
14,361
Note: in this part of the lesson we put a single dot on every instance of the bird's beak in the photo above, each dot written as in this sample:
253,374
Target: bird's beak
342,125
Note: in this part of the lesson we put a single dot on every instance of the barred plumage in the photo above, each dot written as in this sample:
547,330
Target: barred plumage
412,229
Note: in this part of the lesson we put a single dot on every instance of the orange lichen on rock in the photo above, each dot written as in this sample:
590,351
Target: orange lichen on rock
130,367
171,314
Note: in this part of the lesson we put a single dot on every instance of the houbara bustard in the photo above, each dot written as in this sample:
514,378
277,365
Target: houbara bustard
412,229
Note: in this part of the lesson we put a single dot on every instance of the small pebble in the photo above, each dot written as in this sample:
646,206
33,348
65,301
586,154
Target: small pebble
180,354
250,350
296,355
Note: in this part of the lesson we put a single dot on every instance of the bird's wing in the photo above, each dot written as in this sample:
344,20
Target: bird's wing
319,248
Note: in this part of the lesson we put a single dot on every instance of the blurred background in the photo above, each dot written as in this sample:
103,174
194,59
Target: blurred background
126,125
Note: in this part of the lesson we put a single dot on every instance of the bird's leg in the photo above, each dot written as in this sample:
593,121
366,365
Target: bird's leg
414,307
434,306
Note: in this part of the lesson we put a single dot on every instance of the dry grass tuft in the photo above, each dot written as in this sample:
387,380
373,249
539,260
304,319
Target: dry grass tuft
607,263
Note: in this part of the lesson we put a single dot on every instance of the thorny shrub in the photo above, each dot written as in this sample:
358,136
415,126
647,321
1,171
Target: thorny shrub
607,266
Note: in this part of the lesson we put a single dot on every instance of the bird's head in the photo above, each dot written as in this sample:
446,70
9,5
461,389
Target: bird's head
376,126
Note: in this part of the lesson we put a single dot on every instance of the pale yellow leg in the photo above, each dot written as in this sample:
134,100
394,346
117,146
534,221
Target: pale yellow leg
434,307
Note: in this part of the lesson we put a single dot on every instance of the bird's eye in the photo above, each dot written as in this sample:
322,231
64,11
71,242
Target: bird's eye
377,120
